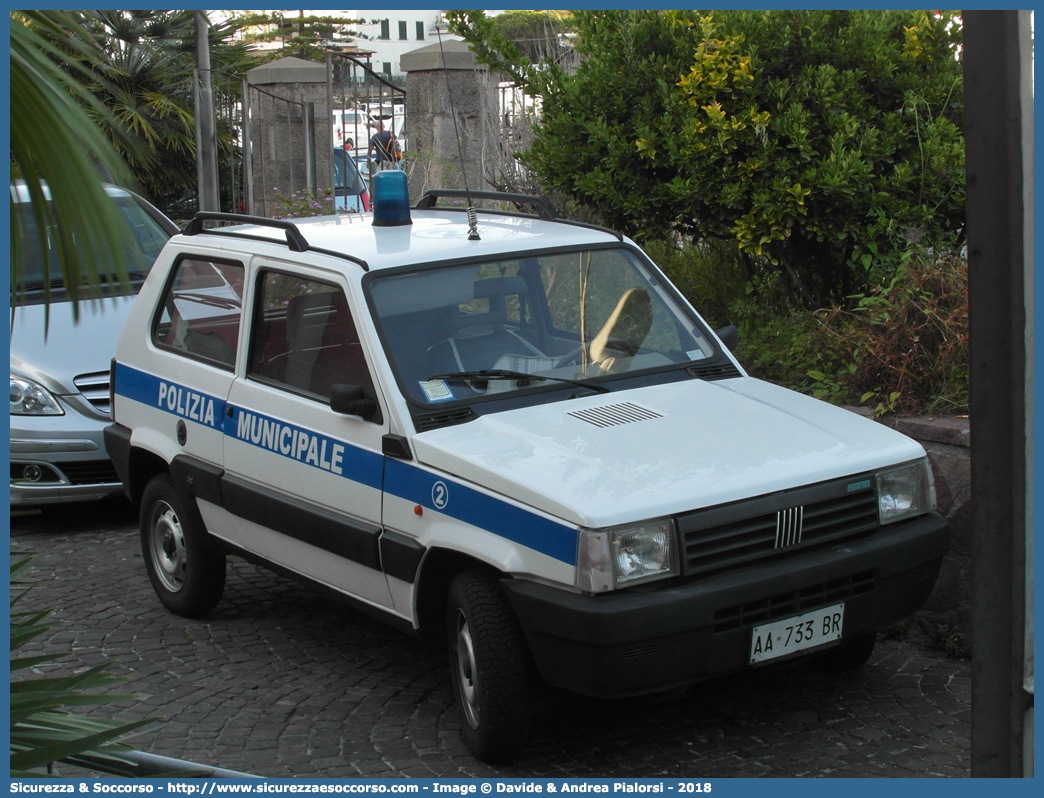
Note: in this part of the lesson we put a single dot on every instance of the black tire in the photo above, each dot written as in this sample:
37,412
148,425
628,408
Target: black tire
848,656
186,570
489,662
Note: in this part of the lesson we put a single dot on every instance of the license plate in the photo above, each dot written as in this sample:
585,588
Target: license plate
772,640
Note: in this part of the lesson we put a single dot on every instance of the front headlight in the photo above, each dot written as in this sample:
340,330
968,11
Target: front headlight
31,399
905,492
608,559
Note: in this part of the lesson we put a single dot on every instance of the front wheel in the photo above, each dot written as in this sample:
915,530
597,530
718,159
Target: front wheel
186,570
489,663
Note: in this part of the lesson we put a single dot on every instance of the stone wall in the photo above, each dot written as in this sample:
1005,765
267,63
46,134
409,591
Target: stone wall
447,97
278,128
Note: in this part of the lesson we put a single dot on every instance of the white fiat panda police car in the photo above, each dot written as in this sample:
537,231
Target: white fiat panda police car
511,432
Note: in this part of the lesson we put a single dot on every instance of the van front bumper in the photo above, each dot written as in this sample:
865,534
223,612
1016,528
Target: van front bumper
618,645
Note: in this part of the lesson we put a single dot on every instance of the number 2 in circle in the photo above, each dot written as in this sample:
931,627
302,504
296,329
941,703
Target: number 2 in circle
440,495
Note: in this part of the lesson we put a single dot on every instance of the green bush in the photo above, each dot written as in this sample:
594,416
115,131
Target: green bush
901,347
909,337
711,274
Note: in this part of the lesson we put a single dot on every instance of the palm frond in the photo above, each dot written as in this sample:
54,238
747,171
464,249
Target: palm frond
42,731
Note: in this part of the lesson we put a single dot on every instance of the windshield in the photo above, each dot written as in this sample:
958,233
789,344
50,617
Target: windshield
553,319
142,242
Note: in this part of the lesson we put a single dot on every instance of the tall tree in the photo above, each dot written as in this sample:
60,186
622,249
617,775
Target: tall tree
535,33
302,36
144,81
821,140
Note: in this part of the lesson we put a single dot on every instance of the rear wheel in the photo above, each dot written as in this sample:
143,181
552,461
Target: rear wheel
849,656
489,663
186,570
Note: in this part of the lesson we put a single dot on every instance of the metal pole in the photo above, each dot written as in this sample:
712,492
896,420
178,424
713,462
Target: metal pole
206,141
248,151
309,149
329,119
290,142
999,163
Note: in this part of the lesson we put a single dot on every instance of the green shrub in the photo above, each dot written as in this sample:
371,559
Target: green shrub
908,338
953,642
711,274
901,347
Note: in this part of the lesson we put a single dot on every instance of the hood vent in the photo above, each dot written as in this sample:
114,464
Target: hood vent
614,415
717,371
443,418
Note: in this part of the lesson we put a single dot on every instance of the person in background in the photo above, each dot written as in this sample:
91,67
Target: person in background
386,147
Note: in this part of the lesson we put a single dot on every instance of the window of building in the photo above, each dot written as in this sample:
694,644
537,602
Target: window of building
402,29
420,31
385,29
386,68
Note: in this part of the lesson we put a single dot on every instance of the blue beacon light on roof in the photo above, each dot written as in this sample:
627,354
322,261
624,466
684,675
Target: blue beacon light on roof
391,199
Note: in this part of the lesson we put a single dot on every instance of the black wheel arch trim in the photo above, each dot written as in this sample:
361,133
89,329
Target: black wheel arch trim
118,445
401,556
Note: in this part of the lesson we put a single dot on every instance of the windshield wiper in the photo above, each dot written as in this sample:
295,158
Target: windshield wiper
519,376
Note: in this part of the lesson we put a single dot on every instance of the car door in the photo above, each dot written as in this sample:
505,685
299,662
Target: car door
304,482
194,337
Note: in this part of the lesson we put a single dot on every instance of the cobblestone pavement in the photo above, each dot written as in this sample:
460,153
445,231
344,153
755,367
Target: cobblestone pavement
277,682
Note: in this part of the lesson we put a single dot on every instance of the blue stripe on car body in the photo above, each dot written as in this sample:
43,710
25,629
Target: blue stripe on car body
400,479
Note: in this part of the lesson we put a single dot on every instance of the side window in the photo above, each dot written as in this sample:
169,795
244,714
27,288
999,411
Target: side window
304,337
201,311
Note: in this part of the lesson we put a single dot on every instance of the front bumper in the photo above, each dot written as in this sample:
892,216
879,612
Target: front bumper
625,644
59,459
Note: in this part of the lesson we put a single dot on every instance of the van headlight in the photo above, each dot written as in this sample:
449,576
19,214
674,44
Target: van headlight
608,559
905,491
32,399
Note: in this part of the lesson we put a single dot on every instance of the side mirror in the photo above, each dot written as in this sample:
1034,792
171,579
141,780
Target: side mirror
729,336
350,400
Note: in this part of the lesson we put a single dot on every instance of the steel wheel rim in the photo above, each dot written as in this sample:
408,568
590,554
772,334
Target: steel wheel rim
467,671
167,546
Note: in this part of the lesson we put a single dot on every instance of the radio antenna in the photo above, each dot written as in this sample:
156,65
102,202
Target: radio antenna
473,234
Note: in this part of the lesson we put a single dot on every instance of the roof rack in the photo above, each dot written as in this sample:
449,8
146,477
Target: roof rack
295,240
427,202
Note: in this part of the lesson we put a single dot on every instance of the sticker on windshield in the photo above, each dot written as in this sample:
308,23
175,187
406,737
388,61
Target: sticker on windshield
436,390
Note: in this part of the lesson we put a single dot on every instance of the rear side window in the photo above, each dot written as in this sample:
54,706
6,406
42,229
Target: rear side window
201,311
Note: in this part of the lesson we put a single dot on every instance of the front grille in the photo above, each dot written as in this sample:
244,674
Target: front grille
735,533
89,472
795,602
95,389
